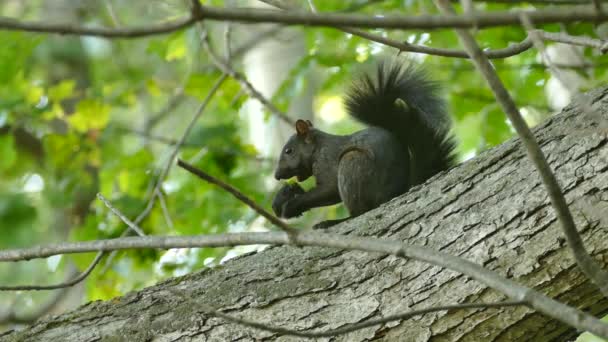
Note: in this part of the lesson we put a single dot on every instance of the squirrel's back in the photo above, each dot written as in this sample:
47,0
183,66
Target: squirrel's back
404,101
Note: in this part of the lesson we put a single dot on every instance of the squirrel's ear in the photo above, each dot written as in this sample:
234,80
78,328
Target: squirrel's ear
399,103
302,127
309,123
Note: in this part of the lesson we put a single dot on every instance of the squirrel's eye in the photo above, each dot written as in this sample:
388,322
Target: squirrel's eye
288,150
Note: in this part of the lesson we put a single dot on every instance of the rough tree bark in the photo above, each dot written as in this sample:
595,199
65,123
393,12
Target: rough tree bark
492,209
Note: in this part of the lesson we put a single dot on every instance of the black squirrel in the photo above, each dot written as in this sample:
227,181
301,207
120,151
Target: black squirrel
407,142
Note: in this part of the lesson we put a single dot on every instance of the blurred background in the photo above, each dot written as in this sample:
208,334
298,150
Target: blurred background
82,115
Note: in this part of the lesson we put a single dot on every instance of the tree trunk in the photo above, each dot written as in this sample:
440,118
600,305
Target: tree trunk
492,210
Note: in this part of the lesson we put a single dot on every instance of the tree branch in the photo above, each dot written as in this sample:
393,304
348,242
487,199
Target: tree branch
245,84
133,226
77,279
358,326
583,259
252,16
515,291
11,317
236,193
513,49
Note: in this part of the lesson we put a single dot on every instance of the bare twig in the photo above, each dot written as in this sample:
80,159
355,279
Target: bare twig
248,15
568,39
358,326
173,101
236,193
513,49
535,35
170,141
129,223
190,126
512,289
196,8
255,40
597,4
11,317
77,279
245,84
312,6
583,259
165,209
227,42
181,141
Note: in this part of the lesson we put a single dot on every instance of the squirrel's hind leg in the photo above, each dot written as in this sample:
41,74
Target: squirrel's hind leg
356,181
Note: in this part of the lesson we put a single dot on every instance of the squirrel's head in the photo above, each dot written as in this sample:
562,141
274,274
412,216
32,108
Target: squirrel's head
296,156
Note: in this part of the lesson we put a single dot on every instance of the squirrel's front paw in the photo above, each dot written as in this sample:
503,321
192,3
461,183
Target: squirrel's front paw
284,195
290,209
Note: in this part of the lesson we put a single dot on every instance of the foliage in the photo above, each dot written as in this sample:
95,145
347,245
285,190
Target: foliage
73,110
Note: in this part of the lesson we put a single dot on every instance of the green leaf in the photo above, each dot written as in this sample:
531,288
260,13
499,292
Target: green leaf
16,212
7,151
90,114
16,48
62,90
198,85
176,47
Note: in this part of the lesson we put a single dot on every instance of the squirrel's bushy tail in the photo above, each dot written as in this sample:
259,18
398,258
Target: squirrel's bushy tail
406,102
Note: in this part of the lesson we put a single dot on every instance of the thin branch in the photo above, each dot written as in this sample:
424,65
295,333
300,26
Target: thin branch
11,317
80,277
170,141
190,126
249,15
11,24
245,84
312,6
513,49
236,193
227,42
133,226
173,101
583,259
572,40
540,46
165,171
255,40
195,8
77,279
358,326
165,209
180,142
515,291
597,4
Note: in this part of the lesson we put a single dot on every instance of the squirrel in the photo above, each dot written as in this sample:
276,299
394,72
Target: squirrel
406,142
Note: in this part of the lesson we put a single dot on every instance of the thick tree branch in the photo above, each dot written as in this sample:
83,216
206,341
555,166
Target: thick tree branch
358,326
515,291
247,15
583,259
